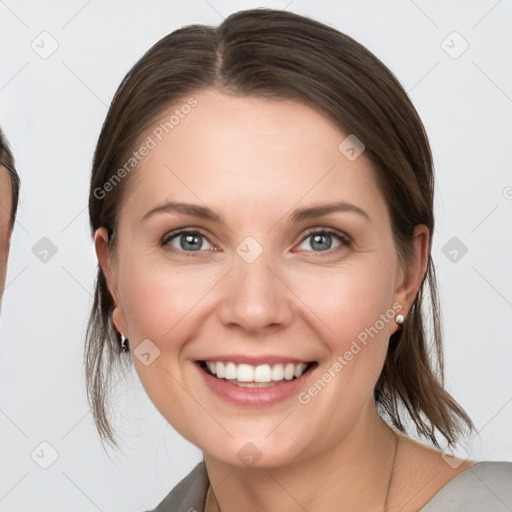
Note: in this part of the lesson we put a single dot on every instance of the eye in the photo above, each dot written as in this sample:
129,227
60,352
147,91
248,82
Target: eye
321,240
185,241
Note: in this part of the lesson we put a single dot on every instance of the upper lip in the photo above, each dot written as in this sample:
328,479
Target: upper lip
256,360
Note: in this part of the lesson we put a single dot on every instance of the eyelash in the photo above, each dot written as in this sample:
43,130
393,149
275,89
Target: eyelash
342,237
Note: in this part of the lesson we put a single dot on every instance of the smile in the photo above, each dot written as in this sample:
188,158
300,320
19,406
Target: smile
262,375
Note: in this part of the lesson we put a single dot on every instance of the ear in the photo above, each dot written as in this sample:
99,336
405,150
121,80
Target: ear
409,280
102,246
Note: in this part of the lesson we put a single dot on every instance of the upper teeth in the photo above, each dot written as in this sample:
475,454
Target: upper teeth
261,373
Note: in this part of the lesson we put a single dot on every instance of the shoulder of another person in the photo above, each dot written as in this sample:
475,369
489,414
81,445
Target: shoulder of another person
486,485
189,495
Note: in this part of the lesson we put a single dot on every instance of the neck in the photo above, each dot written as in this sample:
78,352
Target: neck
352,474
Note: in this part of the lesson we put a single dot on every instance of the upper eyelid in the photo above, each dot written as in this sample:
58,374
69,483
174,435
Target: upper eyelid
184,231
338,232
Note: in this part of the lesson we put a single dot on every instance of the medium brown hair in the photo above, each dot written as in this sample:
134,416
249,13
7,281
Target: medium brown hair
7,161
281,55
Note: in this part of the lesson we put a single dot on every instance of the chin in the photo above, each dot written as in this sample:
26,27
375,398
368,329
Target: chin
256,452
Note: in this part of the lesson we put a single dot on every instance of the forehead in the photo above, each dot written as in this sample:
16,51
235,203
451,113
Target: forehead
249,153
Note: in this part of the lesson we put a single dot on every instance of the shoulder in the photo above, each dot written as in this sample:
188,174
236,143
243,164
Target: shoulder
486,485
189,495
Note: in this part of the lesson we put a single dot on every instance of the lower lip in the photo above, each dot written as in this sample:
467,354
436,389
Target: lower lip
242,396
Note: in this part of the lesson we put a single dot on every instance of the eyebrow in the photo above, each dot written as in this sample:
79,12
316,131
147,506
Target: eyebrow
193,210
204,212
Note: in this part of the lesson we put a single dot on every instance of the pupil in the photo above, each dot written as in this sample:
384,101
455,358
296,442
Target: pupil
191,239
319,238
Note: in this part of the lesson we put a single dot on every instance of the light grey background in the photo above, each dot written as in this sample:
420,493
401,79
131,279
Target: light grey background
52,109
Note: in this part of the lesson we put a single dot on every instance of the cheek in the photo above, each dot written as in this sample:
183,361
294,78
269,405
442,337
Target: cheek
158,298
352,307
355,311
349,299
158,304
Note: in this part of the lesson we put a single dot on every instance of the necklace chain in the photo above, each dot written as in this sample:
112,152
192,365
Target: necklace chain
392,470
397,439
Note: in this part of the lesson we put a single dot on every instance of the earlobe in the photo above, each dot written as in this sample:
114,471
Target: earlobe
118,320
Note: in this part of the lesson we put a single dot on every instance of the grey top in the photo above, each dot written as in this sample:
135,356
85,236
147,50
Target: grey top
485,486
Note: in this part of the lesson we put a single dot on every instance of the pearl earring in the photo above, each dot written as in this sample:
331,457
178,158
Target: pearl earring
399,319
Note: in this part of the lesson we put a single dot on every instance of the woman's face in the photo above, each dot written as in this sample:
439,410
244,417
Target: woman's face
272,282
5,223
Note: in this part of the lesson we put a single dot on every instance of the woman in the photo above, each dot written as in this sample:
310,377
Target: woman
9,194
262,209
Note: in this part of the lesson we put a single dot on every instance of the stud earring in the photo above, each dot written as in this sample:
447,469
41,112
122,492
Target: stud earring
124,344
399,319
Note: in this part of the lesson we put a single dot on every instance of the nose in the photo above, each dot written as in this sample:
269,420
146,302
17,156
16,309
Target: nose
255,297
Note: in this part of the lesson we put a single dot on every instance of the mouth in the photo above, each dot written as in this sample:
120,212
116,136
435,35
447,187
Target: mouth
256,376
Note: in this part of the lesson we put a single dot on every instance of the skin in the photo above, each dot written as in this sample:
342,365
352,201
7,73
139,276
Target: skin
254,161
5,224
